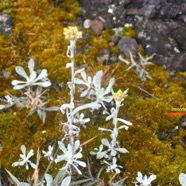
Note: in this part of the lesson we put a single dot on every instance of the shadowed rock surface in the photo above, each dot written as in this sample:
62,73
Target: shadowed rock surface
160,25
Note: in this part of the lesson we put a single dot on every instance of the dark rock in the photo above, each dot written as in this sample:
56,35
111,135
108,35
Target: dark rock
176,62
103,59
113,59
127,44
115,39
175,131
182,122
80,21
179,35
6,24
104,51
108,23
96,26
184,143
160,25
163,136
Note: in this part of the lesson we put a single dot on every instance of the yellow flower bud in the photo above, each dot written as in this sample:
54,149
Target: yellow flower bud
72,33
119,95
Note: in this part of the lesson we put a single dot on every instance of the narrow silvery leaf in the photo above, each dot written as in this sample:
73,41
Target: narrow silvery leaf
122,150
182,179
42,75
43,116
64,107
24,184
66,181
109,88
76,145
15,82
59,177
81,163
15,180
100,155
49,179
79,71
18,87
152,178
32,76
81,181
105,142
84,93
79,81
97,79
83,75
21,72
123,127
43,84
31,65
124,121
93,105
103,129
68,65
109,117
2,107
51,109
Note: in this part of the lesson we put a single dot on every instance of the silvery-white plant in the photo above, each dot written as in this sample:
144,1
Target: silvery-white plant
109,151
39,79
69,150
32,91
92,89
144,180
139,67
182,179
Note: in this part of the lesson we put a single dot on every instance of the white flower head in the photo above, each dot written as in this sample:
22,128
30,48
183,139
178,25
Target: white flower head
33,79
144,180
49,153
70,155
25,158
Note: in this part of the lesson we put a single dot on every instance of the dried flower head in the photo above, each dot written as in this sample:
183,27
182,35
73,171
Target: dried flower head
72,33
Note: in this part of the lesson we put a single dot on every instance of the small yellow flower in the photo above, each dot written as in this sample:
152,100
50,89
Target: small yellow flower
119,95
72,33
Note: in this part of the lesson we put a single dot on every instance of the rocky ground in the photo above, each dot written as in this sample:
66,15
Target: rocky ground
160,25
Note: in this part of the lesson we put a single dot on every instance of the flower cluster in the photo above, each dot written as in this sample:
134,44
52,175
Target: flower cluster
72,33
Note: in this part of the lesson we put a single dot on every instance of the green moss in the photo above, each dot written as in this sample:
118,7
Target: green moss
140,49
129,32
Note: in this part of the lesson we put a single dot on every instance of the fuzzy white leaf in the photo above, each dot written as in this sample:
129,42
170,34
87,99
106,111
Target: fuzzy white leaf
122,150
42,75
31,65
21,72
182,179
49,179
66,181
